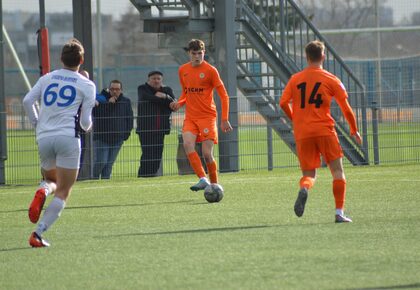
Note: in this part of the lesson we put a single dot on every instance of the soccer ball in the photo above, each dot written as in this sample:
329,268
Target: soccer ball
213,192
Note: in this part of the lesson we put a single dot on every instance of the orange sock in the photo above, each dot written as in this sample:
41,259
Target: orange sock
339,190
307,182
195,163
212,170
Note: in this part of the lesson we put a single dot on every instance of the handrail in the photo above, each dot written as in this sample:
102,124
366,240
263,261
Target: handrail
294,32
326,43
255,22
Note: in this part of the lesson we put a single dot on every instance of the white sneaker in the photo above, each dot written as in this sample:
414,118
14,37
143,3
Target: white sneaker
342,219
200,185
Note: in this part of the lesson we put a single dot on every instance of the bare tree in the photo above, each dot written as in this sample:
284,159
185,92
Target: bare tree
343,14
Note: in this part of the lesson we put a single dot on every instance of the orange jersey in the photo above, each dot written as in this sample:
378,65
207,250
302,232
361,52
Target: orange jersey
310,93
197,85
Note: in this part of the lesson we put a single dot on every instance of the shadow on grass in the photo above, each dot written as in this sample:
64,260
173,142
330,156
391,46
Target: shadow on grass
108,205
16,249
408,286
196,231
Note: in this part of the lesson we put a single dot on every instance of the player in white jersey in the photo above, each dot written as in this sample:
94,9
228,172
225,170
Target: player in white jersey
66,99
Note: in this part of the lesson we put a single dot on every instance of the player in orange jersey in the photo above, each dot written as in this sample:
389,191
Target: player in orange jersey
310,93
198,80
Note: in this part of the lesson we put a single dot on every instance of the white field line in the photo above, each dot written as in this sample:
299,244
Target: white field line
231,181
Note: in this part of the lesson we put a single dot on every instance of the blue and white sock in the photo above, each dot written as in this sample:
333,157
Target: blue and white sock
52,213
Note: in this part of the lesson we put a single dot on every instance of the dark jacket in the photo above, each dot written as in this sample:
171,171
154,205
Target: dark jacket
112,122
153,112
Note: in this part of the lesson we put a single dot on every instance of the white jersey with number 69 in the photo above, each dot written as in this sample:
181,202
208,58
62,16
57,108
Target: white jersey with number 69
61,94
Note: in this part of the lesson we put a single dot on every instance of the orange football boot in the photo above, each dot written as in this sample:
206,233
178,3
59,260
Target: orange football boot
37,241
36,205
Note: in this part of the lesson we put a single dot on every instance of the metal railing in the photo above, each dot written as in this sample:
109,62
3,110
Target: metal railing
398,135
285,30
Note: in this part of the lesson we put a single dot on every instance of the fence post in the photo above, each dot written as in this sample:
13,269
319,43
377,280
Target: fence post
3,127
270,147
82,27
375,133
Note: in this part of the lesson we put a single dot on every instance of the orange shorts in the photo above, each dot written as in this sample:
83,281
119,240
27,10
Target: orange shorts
309,151
204,129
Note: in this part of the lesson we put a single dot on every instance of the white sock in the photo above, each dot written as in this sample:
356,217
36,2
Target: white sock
49,188
204,178
52,213
339,211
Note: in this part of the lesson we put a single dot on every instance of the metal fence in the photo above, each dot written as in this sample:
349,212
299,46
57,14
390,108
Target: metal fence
393,123
395,140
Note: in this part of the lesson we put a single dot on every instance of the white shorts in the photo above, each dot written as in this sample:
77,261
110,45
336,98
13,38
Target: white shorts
59,151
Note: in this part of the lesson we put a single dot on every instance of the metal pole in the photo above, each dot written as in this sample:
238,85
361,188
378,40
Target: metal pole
282,26
82,28
375,133
378,62
3,127
99,44
225,44
42,13
400,91
16,58
269,147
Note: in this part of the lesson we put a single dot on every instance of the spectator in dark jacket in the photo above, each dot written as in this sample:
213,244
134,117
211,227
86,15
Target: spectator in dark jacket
153,122
112,125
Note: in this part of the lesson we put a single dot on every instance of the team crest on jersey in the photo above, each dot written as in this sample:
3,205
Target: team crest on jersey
206,131
202,75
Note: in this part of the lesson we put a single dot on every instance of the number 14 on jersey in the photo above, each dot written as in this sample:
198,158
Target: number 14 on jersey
314,98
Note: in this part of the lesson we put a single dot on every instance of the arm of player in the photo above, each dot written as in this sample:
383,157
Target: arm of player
224,100
86,109
225,125
29,103
175,106
287,108
285,101
351,119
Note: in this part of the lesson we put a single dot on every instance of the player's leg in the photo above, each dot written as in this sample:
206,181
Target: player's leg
339,189
45,188
48,184
309,160
333,154
190,135
305,183
189,146
207,149
49,181
35,239
65,180
208,129
67,162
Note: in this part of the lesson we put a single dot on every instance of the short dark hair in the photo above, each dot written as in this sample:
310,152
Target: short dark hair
116,82
195,45
72,53
155,72
314,50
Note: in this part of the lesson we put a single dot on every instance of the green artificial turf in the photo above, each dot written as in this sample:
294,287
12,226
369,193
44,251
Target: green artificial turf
157,234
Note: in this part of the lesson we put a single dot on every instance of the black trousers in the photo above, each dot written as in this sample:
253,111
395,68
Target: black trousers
152,149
